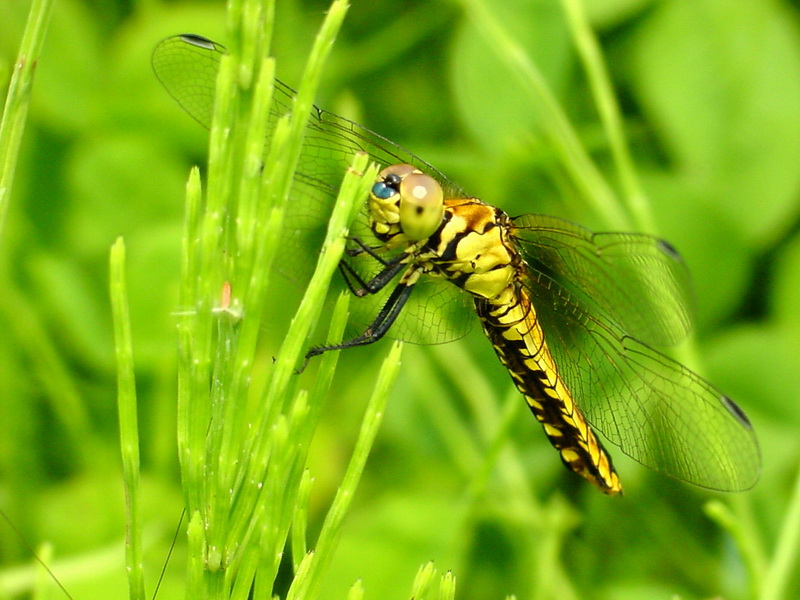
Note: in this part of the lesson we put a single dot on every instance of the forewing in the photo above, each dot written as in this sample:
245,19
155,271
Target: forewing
657,411
638,281
187,66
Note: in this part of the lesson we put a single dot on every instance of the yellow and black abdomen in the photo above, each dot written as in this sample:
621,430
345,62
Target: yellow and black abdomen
511,325
473,250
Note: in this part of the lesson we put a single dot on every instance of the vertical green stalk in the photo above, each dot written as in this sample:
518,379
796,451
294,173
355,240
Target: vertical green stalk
307,586
574,157
44,577
280,167
128,421
22,326
242,448
12,125
638,207
783,568
608,109
190,425
739,527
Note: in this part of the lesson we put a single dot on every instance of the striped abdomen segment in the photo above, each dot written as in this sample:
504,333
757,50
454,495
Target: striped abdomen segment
517,337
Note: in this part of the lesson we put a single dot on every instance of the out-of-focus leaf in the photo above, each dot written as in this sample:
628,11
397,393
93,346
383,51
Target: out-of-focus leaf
759,367
720,82
644,591
708,239
75,307
121,183
492,103
410,521
70,89
12,22
785,301
607,13
153,270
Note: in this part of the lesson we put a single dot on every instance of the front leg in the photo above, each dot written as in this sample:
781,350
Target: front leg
364,248
391,268
383,321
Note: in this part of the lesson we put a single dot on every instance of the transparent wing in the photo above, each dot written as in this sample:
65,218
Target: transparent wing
187,66
638,281
437,312
657,411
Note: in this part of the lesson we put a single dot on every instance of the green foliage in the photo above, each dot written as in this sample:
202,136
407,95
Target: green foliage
460,474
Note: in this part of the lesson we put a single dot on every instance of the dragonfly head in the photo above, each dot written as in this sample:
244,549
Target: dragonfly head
405,200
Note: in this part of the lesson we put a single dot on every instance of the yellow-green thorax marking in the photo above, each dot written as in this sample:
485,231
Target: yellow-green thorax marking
472,244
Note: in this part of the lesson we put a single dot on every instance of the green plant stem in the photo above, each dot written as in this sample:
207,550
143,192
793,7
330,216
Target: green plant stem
44,578
317,397
290,351
741,529
319,561
243,447
356,592
128,421
608,108
636,202
783,567
584,173
12,125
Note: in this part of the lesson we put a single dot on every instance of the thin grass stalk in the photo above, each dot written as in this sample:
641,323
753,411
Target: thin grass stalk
44,576
15,111
633,196
307,587
187,421
128,421
608,108
285,145
782,569
208,337
356,591
290,352
585,175
317,397
243,471
447,586
297,421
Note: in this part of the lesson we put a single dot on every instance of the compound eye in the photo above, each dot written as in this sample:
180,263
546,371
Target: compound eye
388,181
387,187
421,206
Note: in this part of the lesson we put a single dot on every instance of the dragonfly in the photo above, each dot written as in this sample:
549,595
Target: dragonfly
572,314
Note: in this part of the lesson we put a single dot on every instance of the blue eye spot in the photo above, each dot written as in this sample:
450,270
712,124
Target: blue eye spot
383,191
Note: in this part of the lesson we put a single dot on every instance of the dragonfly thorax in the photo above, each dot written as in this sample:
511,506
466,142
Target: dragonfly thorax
405,205
473,250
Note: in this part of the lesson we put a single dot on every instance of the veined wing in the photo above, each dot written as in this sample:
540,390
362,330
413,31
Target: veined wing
638,281
187,67
657,411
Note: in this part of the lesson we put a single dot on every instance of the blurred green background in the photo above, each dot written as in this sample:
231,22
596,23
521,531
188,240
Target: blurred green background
710,92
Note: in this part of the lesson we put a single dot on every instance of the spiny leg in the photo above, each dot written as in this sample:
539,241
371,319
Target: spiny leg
386,317
378,282
364,248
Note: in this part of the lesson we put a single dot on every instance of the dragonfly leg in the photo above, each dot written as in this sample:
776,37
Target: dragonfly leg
377,283
364,248
386,317
350,276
